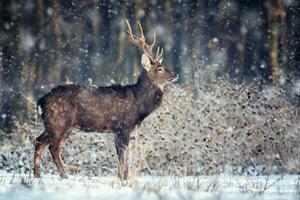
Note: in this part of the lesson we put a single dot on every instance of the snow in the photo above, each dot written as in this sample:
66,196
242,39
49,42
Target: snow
27,41
21,186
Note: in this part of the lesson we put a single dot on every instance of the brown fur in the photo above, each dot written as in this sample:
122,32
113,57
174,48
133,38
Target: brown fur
115,109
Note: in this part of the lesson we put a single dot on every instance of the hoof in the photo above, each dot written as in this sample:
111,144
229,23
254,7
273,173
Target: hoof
124,183
123,178
37,175
64,176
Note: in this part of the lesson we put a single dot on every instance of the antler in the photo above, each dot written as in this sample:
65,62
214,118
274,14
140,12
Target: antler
159,54
141,42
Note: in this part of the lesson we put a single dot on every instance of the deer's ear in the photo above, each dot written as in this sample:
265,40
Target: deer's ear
146,62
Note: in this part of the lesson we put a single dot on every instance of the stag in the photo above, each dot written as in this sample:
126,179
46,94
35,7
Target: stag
115,109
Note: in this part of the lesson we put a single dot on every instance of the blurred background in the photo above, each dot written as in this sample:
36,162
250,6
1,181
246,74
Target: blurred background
44,43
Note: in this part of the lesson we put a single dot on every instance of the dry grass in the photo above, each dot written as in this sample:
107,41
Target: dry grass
227,128
227,125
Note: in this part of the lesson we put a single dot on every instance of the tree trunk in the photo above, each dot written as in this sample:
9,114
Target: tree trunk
276,14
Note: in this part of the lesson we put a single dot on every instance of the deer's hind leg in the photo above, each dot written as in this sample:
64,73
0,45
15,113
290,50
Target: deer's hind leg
54,149
40,144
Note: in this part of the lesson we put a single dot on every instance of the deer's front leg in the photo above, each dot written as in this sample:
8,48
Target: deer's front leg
121,142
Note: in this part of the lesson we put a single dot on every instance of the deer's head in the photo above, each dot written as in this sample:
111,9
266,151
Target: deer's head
157,73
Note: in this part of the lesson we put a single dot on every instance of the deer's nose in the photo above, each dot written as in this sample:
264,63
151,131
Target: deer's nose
174,78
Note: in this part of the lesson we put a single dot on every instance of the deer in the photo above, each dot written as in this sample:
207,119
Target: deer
113,109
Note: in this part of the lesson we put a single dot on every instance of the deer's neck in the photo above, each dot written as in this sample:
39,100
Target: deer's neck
149,96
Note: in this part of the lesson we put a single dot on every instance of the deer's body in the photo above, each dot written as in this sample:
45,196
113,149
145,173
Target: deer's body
115,109
100,109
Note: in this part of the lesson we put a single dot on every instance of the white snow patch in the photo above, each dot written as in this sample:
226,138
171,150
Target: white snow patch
20,186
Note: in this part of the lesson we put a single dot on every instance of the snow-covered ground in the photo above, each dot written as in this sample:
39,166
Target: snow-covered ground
18,186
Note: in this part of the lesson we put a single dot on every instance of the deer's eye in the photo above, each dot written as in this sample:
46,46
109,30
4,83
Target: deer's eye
160,69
